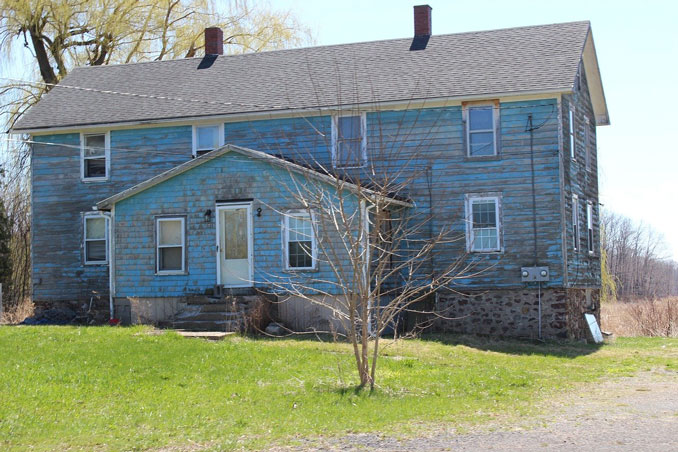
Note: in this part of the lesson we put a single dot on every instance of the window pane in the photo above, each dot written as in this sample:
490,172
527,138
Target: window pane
480,118
170,259
484,214
95,228
95,167
169,232
95,251
95,145
482,143
208,137
300,229
299,255
349,127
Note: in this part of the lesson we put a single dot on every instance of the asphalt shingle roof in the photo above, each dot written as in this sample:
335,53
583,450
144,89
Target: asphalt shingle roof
514,60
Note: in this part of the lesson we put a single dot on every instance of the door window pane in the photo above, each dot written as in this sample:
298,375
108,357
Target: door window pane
235,224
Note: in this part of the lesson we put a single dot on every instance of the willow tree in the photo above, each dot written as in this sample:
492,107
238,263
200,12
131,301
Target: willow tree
57,35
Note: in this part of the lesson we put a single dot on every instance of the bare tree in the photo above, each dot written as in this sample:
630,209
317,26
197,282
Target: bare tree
636,259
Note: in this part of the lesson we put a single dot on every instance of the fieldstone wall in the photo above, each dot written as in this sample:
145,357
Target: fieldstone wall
515,312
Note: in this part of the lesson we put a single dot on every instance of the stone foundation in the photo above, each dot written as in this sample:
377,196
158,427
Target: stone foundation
515,312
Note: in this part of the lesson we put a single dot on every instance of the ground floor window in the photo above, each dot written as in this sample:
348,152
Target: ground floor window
171,245
483,223
300,244
95,239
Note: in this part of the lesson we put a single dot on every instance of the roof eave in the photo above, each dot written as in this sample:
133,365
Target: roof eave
595,83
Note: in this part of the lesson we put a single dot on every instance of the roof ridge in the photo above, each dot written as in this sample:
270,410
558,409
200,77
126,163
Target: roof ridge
346,44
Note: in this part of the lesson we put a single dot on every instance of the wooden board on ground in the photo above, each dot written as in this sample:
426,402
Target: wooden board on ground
594,328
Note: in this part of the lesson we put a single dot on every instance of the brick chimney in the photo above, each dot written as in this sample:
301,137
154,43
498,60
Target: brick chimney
422,20
214,41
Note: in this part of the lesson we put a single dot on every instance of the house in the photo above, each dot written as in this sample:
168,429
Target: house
136,168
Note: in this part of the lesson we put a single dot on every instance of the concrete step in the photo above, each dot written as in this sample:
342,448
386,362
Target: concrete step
203,300
209,335
219,307
211,315
207,325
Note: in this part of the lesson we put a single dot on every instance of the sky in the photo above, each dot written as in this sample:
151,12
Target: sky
637,46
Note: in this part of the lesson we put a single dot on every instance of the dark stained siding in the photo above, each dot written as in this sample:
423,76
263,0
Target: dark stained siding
60,198
583,268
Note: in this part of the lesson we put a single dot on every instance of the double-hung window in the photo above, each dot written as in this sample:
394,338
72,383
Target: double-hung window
483,223
94,153
587,143
573,153
481,130
95,239
349,141
207,138
300,242
171,245
589,226
575,221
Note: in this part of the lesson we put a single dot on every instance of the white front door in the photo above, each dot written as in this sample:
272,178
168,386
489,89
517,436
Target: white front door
234,244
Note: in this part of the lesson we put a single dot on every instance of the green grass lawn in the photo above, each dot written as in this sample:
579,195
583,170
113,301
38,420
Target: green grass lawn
102,388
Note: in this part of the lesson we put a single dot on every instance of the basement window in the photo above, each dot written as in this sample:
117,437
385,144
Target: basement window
95,246
481,130
483,224
171,245
207,138
94,156
349,141
300,244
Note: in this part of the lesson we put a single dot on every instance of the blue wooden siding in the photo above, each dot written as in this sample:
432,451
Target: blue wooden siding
426,145
231,176
59,199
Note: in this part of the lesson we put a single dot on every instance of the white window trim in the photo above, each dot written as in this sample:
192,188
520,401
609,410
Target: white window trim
286,237
587,143
107,155
363,141
572,134
194,144
470,199
575,222
589,227
90,215
467,126
159,220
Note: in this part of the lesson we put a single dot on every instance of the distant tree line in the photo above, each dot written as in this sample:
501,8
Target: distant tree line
635,260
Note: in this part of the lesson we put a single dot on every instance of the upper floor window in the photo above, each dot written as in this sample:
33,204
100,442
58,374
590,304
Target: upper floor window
95,238
575,221
94,156
300,244
349,141
483,224
573,154
171,245
481,136
589,226
587,143
207,138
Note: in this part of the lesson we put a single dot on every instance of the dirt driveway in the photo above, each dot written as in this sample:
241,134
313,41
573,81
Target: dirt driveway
637,413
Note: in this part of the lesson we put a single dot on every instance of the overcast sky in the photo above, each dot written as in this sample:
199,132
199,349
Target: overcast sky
637,45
